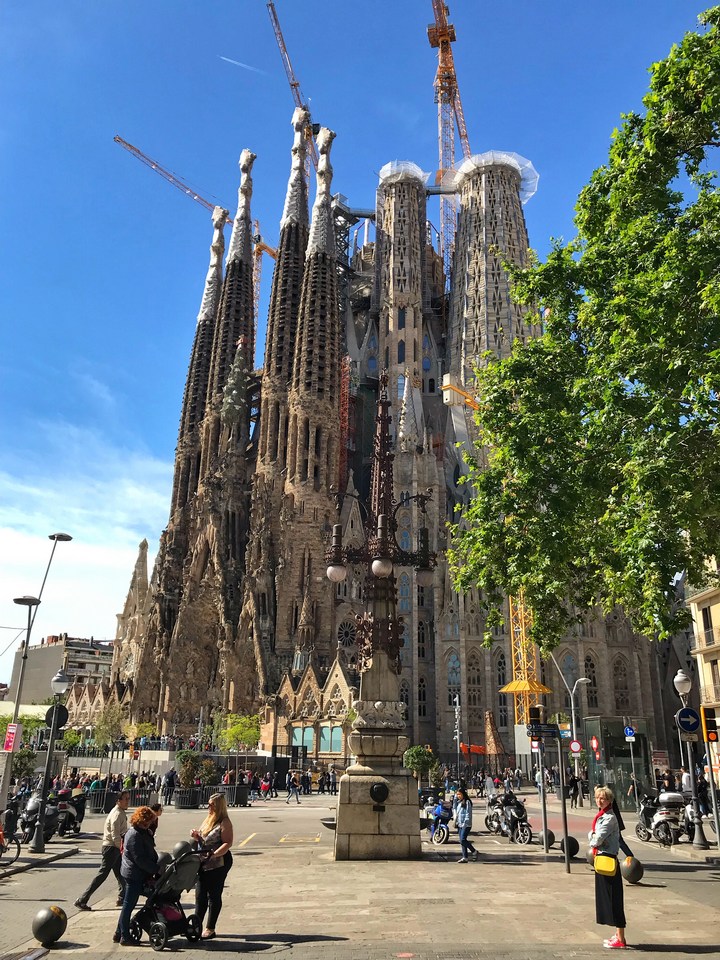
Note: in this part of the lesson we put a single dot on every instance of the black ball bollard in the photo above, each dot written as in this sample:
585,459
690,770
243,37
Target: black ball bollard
550,839
632,870
573,846
49,924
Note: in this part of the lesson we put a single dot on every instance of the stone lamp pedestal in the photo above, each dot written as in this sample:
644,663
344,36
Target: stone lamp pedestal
377,813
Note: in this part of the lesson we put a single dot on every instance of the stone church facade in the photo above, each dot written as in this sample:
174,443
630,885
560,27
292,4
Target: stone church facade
238,614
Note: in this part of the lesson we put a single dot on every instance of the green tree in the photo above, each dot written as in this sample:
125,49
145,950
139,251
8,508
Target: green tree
70,740
420,760
596,477
29,726
23,763
109,725
241,732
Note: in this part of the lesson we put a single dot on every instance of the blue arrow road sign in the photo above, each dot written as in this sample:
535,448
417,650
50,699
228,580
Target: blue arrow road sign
629,731
687,719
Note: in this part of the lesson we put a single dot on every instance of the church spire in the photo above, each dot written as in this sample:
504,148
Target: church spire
235,324
284,304
315,388
193,408
408,435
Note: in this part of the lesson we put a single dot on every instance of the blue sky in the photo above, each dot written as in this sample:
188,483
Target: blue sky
103,262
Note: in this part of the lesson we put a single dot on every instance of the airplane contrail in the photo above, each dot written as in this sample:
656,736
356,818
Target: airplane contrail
245,66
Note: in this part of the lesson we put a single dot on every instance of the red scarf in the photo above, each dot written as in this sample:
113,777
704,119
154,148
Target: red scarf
597,817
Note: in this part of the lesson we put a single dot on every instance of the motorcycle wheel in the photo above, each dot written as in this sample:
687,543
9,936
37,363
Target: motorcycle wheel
523,834
489,824
62,829
663,834
642,832
441,834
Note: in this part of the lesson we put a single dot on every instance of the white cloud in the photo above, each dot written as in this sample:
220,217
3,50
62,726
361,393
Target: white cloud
108,498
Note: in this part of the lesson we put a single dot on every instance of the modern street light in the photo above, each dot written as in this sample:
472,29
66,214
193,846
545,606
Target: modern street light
683,684
573,716
32,604
60,684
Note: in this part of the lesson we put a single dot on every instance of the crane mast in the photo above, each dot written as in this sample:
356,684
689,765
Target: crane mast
299,100
441,35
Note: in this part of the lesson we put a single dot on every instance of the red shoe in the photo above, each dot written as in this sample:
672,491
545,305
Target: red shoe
614,943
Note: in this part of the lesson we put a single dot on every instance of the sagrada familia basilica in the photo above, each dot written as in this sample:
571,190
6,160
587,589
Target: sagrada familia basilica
238,614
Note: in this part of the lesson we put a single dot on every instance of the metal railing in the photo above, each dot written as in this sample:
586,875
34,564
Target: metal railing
705,638
710,693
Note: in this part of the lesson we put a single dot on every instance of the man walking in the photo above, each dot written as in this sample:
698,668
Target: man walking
293,788
113,832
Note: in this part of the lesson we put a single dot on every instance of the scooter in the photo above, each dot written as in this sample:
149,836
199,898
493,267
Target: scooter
663,818
29,817
439,816
494,813
513,819
71,807
11,816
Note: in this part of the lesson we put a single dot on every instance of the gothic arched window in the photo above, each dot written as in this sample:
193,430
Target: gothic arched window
592,687
474,674
401,351
501,675
405,698
453,678
568,666
620,683
401,318
421,639
405,540
422,697
404,593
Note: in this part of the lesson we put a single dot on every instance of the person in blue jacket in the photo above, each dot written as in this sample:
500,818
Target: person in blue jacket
139,863
463,821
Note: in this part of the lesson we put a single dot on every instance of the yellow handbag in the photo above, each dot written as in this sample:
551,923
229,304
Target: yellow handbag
604,865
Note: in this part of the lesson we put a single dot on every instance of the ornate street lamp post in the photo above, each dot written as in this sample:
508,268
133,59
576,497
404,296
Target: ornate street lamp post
60,684
377,814
683,684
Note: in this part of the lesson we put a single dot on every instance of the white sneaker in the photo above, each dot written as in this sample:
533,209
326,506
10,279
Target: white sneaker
462,860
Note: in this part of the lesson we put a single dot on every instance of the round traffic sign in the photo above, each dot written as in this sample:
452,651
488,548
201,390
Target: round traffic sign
136,755
629,731
575,746
61,712
688,720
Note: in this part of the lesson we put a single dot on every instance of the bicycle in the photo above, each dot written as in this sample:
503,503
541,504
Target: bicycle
9,846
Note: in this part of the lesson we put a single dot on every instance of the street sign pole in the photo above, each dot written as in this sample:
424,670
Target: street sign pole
566,842
543,799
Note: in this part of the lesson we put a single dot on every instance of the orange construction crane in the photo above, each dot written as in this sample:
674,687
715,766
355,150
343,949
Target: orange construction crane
297,96
525,685
260,247
450,112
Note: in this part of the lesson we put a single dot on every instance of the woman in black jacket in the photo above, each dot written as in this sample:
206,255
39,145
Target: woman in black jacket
139,863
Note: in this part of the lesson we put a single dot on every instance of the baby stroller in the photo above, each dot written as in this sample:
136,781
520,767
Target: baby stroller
162,916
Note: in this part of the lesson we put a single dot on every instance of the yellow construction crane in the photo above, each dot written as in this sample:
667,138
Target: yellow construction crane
441,35
525,685
260,246
299,100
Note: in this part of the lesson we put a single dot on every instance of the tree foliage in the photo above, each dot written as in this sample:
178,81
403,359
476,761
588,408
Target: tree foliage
110,725
596,474
24,762
241,732
419,759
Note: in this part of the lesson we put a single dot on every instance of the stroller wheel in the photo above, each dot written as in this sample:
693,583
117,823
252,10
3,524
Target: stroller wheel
158,935
135,931
193,928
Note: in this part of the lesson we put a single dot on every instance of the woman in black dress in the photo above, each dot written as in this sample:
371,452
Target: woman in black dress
609,898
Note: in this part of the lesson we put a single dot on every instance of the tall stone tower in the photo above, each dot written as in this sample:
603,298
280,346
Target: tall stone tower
191,643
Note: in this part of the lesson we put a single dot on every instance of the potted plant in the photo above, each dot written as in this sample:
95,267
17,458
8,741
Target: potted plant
189,763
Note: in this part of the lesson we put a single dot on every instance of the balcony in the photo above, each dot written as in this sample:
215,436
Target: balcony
705,639
710,694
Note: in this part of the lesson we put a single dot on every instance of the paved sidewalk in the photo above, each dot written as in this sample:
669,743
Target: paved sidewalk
26,861
286,893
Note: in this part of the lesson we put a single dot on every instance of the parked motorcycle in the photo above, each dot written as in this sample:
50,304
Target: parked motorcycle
29,817
494,813
513,819
11,816
664,817
439,816
71,808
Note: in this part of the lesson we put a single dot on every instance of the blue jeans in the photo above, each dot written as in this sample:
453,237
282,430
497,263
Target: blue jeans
466,844
133,889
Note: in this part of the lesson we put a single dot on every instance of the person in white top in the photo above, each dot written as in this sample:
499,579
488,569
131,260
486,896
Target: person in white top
686,780
113,832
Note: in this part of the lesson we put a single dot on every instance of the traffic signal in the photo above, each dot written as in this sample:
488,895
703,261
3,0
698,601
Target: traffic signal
709,726
537,713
